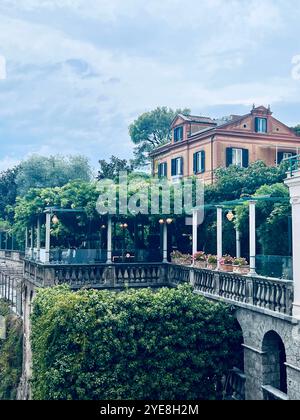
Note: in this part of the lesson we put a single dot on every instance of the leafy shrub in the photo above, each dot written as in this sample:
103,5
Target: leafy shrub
99,345
11,353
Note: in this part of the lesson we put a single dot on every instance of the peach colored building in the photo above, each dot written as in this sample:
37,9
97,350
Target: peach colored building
200,145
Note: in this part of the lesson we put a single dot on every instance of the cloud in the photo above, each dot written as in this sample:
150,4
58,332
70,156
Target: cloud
79,71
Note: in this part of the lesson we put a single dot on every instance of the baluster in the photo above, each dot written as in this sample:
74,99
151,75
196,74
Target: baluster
278,298
267,296
283,300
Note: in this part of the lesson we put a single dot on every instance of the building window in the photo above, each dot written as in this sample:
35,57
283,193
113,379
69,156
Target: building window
177,167
284,156
178,134
199,162
237,157
163,170
261,125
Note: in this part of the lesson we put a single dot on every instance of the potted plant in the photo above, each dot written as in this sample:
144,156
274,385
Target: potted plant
227,264
181,259
200,260
176,257
240,265
212,262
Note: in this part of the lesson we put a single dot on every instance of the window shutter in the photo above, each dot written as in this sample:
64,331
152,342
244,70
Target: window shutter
159,170
173,167
245,158
256,125
203,161
228,156
195,163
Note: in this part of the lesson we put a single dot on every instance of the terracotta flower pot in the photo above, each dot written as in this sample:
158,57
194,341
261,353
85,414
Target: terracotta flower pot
212,266
244,269
228,268
200,264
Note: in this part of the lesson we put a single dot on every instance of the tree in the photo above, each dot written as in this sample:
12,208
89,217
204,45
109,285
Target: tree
150,130
134,345
53,171
297,129
272,214
110,170
8,190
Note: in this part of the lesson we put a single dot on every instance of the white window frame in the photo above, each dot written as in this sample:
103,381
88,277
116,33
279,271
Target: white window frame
287,155
178,167
199,168
237,157
260,125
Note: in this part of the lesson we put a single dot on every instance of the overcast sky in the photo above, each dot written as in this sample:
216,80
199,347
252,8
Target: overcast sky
78,72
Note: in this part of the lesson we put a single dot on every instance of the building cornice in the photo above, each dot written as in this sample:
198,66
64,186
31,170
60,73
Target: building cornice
253,137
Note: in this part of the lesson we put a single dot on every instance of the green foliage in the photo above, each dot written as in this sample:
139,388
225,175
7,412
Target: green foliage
150,130
233,182
74,195
297,129
11,353
91,345
8,190
111,170
55,171
272,219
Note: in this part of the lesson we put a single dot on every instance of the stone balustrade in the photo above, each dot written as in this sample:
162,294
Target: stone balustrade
98,276
265,293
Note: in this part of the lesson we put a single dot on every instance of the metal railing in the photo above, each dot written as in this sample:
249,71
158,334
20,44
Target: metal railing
294,164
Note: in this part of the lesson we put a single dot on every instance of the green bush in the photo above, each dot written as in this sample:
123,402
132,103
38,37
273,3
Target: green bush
11,353
168,344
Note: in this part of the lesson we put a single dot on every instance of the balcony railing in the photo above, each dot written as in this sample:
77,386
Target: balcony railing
260,292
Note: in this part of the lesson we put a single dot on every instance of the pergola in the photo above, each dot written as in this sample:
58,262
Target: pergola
228,205
50,214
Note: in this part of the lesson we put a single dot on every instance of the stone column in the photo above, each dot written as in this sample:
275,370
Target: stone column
195,232
48,238
32,241
294,185
109,240
252,236
26,239
38,238
165,242
219,235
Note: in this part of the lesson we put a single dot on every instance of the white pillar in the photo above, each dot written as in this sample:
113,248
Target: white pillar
238,243
252,236
219,235
38,238
32,241
195,232
26,239
109,240
294,185
48,237
165,243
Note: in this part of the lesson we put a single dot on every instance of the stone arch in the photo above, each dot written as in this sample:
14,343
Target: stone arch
274,361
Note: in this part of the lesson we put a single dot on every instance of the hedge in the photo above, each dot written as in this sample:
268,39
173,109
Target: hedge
159,345
11,354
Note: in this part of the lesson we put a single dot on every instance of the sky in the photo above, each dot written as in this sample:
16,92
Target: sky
75,73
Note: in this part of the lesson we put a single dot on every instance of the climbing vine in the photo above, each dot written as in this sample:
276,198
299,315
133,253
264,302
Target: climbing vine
91,345
11,353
